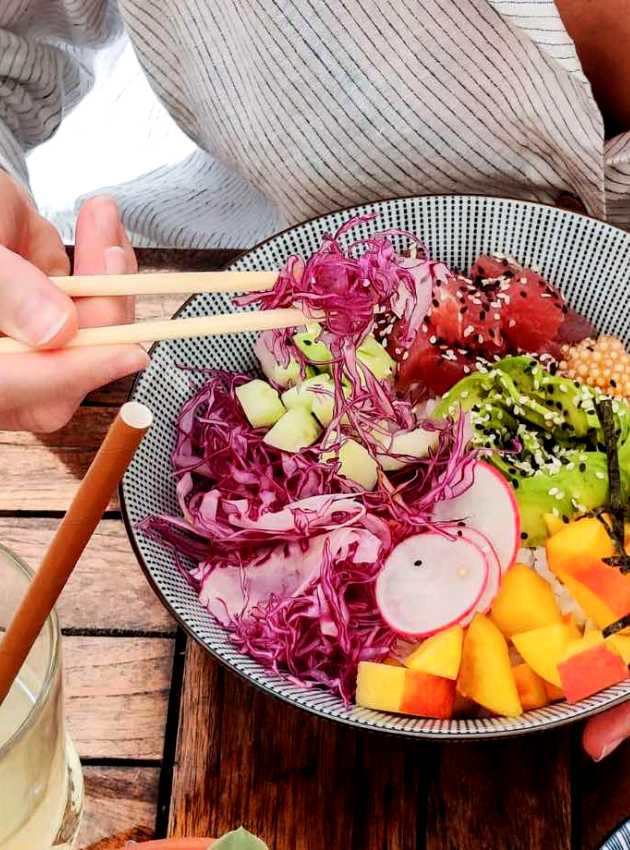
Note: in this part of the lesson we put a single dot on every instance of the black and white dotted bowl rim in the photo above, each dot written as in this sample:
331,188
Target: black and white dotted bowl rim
619,839
587,259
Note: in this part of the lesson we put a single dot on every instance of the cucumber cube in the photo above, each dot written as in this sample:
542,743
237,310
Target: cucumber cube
296,430
413,444
315,351
356,463
376,358
261,403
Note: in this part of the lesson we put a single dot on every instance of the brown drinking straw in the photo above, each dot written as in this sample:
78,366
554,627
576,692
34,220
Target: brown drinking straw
71,537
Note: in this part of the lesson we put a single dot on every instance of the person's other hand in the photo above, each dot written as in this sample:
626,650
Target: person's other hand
606,731
40,391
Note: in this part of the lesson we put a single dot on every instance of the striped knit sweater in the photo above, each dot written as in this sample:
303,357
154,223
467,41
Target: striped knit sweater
299,107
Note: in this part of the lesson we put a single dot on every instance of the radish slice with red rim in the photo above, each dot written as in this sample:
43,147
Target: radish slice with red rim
488,506
494,572
429,582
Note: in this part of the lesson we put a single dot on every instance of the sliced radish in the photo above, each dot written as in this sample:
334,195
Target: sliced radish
430,582
489,506
494,572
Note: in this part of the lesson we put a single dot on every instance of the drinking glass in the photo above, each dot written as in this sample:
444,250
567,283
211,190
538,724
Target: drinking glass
41,784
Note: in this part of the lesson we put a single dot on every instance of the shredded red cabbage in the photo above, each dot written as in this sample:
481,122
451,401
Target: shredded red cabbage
286,549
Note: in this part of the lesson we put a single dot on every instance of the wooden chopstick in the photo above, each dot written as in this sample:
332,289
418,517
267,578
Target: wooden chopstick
263,320
165,283
71,538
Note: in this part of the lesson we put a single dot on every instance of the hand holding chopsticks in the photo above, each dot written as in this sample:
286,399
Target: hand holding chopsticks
163,283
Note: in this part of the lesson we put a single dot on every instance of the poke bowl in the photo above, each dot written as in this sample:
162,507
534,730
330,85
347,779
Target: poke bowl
406,515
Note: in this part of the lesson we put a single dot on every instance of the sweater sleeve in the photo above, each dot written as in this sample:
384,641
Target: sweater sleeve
47,49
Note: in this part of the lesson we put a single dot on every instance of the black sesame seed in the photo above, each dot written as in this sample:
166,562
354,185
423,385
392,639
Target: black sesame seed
582,467
417,563
482,315
565,518
524,535
435,302
523,294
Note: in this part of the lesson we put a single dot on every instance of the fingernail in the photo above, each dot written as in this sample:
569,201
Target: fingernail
40,320
608,748
115,260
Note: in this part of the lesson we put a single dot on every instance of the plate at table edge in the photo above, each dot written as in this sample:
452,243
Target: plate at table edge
490,218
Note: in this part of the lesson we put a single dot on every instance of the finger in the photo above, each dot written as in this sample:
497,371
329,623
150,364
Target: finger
40,391
45,248
604,733
32,310
99,229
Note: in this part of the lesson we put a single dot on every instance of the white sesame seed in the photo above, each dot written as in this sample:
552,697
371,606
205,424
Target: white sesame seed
512,323
468,331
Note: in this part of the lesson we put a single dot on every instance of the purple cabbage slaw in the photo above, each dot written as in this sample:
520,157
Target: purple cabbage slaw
248,507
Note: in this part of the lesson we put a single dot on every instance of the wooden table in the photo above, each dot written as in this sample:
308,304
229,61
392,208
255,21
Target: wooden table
173,744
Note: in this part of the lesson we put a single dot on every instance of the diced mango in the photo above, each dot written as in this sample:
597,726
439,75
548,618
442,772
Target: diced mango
543,648
607,583
525,601
440,654
380,686
554,694
621,643
554,524
574,629
578,543
428,696
486,674
531,688
589,666
592,606
386,687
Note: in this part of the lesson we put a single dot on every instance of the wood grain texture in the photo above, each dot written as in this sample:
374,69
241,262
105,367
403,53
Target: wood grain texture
40,472
296,781
602,796
116,692
120,806
107,590
503,795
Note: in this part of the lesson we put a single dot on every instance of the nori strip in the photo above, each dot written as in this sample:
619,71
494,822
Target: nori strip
615,500
617,626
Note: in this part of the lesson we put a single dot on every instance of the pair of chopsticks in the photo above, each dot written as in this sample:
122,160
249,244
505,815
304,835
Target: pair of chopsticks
83,286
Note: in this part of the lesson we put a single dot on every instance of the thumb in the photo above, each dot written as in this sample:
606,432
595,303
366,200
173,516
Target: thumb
32,309
604,733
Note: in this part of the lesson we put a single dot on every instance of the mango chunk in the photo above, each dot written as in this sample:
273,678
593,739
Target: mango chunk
531,688
590,665
543,648
440,654
621,643
554,694
525,601
578,543
486,674
386,687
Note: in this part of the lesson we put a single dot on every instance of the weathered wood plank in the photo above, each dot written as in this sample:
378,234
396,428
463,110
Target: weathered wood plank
603,796
107,590
296,781
40,472
120,806
116,692
511,795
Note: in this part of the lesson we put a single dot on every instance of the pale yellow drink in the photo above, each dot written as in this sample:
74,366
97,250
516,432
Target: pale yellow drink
41,787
